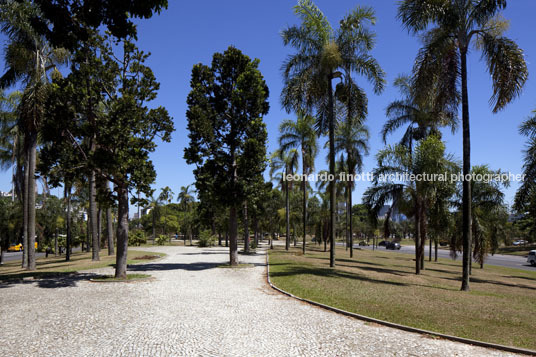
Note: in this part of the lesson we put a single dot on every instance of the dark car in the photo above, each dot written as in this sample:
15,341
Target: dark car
363,243
393,245
383,243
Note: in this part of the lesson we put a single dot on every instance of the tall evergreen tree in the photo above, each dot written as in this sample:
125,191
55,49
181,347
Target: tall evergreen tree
226,130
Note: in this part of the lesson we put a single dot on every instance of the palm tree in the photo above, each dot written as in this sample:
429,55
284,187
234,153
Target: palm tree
419,114
166,195
29,59
301,133
186,198
351,138
282,165
458,24
11,140
324,54
154,204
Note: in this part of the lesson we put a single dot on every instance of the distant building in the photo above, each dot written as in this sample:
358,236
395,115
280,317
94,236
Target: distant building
6,194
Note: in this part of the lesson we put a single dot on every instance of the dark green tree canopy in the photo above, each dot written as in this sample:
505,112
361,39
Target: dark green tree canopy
66,22
226,130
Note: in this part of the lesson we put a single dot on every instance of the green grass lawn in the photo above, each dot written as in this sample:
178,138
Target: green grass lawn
79,261
383,285
522,250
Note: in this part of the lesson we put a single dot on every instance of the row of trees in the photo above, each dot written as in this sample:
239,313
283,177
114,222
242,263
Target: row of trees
94,125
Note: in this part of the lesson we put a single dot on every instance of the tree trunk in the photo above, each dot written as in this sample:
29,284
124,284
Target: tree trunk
287,214
430,251
110,230
332,192
436,244
25,207
88,234
219,239
256,229
417,237
466,195
93,223
304,203
67,194
154,223
122,232
31,202
227,238
56,243
423,233
99,227
351,225
246,228
233,233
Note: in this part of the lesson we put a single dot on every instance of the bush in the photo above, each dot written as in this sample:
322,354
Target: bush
252,244
206,239
161,239
137,238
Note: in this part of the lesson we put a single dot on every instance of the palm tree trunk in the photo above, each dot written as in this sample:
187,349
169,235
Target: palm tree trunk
56,243
256,228
154,223
423,219
122,232
246,228
227,238
304,203
25,207
31,202
332,193
93,220
351,226
466,196
417,236
287,215
435,244
430,251
233,236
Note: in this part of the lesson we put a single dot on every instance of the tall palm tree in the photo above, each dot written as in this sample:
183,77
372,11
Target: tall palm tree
351,139
459,25
166,195
324,54
11,140
154,204
301,133
29,60
282,164
186,198
421,115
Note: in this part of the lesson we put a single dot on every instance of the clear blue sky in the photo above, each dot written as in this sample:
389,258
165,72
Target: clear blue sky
190,32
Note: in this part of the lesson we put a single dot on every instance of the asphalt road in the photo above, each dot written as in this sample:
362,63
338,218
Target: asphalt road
510,261
10,256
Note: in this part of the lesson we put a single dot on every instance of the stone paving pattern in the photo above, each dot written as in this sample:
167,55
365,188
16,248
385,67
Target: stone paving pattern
191,308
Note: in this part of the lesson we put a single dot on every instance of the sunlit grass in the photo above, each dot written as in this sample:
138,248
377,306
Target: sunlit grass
383,285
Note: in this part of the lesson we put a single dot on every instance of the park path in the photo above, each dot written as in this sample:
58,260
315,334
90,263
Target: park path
191,308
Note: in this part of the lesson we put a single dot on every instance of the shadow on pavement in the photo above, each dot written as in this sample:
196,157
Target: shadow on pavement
45,280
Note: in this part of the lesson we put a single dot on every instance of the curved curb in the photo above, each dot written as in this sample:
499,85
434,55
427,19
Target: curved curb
397,326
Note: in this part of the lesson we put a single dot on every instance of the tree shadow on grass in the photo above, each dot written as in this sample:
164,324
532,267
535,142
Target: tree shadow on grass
485,281
46,280
330,273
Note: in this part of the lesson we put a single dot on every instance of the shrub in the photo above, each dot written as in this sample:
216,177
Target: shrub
137,238
252,244
206,239
161,239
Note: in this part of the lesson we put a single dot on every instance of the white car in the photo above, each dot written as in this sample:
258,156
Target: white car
520,242
532,258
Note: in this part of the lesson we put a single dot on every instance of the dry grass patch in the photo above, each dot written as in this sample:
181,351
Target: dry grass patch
383,285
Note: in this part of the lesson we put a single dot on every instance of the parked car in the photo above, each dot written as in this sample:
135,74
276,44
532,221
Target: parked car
363,243
532,258
382,243
520,242
18,248
393,245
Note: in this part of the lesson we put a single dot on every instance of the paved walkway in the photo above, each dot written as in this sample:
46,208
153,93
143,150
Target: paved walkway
191,308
